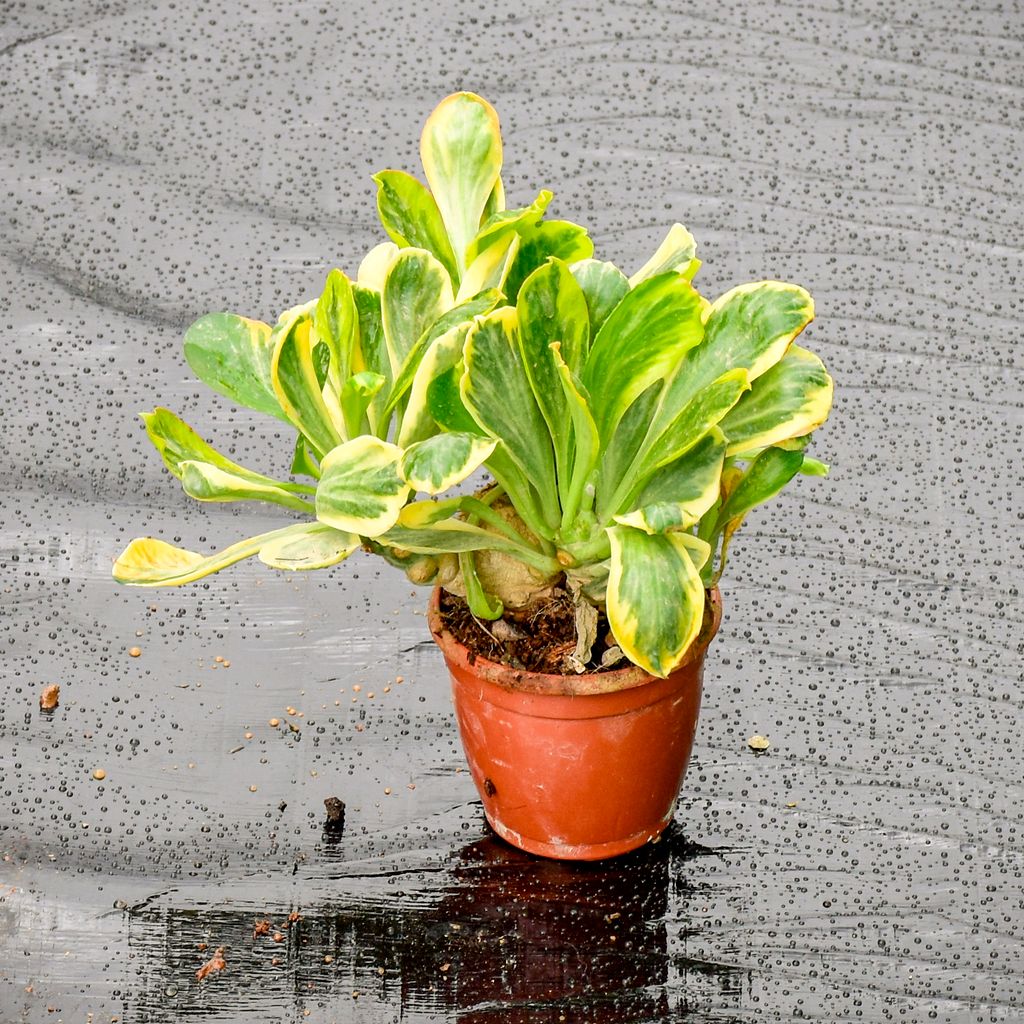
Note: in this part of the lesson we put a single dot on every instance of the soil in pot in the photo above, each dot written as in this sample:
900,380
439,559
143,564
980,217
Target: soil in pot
539,641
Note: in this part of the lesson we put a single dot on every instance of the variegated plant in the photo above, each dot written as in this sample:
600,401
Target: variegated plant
629,424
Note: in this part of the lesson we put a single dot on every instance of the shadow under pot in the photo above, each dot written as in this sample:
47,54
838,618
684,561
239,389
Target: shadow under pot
578,767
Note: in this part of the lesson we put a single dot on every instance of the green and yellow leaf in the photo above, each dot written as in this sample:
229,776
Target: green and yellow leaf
506,222
206,482
789,400
356,396
336,323
314,546
148,562
680,493
496,390
461,153
551,310
490,268
677,253
604,287
360,490
643,339
442,461
442,357
417,290
232,355
375,266
537,244
655,597
410,216
294,378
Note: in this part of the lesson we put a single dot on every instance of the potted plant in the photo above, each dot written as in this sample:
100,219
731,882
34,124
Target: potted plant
628,425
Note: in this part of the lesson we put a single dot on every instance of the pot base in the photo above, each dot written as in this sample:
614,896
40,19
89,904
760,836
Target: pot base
584,851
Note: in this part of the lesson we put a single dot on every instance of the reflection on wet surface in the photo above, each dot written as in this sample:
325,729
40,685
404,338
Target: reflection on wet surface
492,935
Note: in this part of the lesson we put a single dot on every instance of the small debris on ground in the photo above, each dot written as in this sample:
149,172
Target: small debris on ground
759,744
134,652
215,963
99,774
260,928
335,814
49,698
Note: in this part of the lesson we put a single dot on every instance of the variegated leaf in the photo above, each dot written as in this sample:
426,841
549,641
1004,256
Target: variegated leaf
788,400
356,396
442,357
148,562
417,290
232,355
375,266
177,442
506,222
586,444
604,287
462,314
360,490
461,153
496,390
763,479
293,375
490,268
315,546
677,253
551,311
206,482
642,340
751,327
537,244
410,216
442,461
678,494
336,322
655,597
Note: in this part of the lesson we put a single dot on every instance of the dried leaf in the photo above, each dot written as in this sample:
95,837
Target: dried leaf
215,963
49,698
260,928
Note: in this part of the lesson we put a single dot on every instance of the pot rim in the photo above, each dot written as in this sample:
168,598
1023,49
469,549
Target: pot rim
555,684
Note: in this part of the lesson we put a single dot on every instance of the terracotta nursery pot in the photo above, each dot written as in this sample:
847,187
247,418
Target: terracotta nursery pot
576,767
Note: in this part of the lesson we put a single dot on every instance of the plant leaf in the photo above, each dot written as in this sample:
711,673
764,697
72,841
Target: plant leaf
205,482
763,479
507,222
586,443
788,400
537,244
450,536
304,463
483,302
177,442
461,152
148,562
551,309
336,322
417,290
360,490
491,267
443,356
375,266
655,598
443,461
642,340
293,374
604,287
751,327
496,390
232,355
410,216
356,395
678,494
315,546
677,253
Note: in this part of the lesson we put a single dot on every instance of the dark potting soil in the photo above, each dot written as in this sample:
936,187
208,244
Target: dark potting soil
539,642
